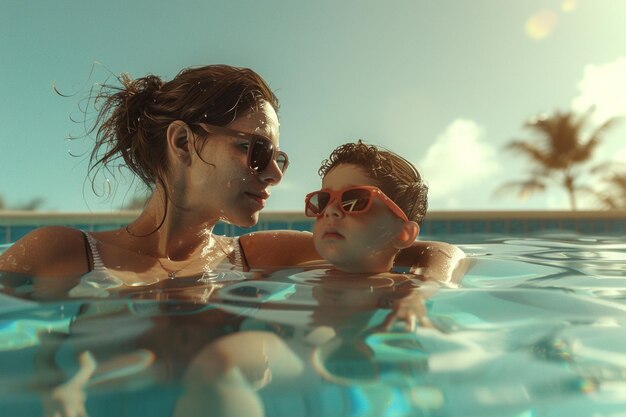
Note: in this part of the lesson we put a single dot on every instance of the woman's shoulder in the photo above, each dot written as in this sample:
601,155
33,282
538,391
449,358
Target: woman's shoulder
51,235
48,250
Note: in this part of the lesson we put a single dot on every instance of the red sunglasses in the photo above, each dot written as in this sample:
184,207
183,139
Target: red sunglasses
261,150
353,200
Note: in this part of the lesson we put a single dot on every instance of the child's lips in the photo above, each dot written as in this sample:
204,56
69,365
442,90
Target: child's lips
332,234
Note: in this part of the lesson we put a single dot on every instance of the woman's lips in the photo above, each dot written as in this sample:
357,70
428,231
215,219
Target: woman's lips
258,199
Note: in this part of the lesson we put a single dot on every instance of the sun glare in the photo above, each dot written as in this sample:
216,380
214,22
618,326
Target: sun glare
541,24
569,5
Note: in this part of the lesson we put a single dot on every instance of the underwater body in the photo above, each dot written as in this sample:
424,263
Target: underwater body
535,328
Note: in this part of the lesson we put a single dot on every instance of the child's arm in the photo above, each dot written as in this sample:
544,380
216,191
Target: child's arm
409,307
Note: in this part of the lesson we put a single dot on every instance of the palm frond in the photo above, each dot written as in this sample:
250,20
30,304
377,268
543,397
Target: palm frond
522,189
559,149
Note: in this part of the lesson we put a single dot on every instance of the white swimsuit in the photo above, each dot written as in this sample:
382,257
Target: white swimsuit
100,279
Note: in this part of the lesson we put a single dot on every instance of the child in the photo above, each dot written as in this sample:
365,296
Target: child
371,206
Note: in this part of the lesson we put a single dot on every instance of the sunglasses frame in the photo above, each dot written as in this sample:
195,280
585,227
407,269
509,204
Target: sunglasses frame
251,138
337,194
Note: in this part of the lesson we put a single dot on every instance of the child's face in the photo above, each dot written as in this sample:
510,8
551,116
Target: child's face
361,242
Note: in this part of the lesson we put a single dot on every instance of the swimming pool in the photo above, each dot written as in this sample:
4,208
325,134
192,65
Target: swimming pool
536,329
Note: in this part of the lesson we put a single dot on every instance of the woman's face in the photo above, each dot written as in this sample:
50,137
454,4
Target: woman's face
220,182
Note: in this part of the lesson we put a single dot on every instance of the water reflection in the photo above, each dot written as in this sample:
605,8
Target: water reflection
536,329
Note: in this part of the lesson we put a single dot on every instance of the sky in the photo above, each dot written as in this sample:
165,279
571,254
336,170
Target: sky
445,83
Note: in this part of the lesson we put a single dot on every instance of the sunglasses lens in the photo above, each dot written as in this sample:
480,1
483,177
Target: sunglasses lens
355,200
281,161
261,154
316,203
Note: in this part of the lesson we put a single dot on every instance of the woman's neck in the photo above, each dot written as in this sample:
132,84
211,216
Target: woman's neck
169,231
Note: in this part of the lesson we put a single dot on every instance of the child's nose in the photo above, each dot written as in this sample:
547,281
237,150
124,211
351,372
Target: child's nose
333,209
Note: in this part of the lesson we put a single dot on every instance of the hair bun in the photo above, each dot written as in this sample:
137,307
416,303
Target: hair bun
145,86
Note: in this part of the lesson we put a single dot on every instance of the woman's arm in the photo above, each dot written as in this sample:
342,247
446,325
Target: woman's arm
437,261
278,249
54,256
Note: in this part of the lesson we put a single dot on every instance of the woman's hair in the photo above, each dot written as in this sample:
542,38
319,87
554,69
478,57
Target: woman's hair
133,118
395,176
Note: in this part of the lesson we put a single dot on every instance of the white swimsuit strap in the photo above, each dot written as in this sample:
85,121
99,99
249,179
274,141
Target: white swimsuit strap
95,255
238,260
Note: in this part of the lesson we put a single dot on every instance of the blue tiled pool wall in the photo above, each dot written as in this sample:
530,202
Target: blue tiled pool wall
430,228
513,227
9,234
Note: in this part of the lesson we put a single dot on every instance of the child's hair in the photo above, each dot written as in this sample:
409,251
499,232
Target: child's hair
396,177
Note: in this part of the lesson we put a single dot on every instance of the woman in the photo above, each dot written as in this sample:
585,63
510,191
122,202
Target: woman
207,143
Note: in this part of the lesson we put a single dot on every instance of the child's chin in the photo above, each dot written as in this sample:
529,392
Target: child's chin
339,261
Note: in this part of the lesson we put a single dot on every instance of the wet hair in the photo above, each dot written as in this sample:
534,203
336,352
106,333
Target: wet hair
133,117
394,175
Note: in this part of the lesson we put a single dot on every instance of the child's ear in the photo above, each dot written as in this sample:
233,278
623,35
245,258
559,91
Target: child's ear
407,235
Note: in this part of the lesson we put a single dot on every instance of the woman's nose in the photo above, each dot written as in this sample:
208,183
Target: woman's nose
272,174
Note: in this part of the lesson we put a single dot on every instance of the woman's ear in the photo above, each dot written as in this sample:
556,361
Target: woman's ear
407,235
179,138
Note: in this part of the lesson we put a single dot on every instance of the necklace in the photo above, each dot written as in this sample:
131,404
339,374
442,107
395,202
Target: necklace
208,274
171,274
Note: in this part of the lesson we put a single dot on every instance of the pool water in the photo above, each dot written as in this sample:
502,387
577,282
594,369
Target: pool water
534,329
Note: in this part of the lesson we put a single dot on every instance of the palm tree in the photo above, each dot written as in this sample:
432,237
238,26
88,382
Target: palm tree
613,195
557,155
31,205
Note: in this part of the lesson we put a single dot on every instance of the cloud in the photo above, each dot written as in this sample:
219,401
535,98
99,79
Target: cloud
620,155
603,87
459,158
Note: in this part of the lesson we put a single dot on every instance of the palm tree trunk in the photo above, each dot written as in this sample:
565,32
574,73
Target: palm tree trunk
569,186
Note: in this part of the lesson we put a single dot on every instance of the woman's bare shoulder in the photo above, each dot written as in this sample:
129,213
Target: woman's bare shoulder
279,248
48,250
438,261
